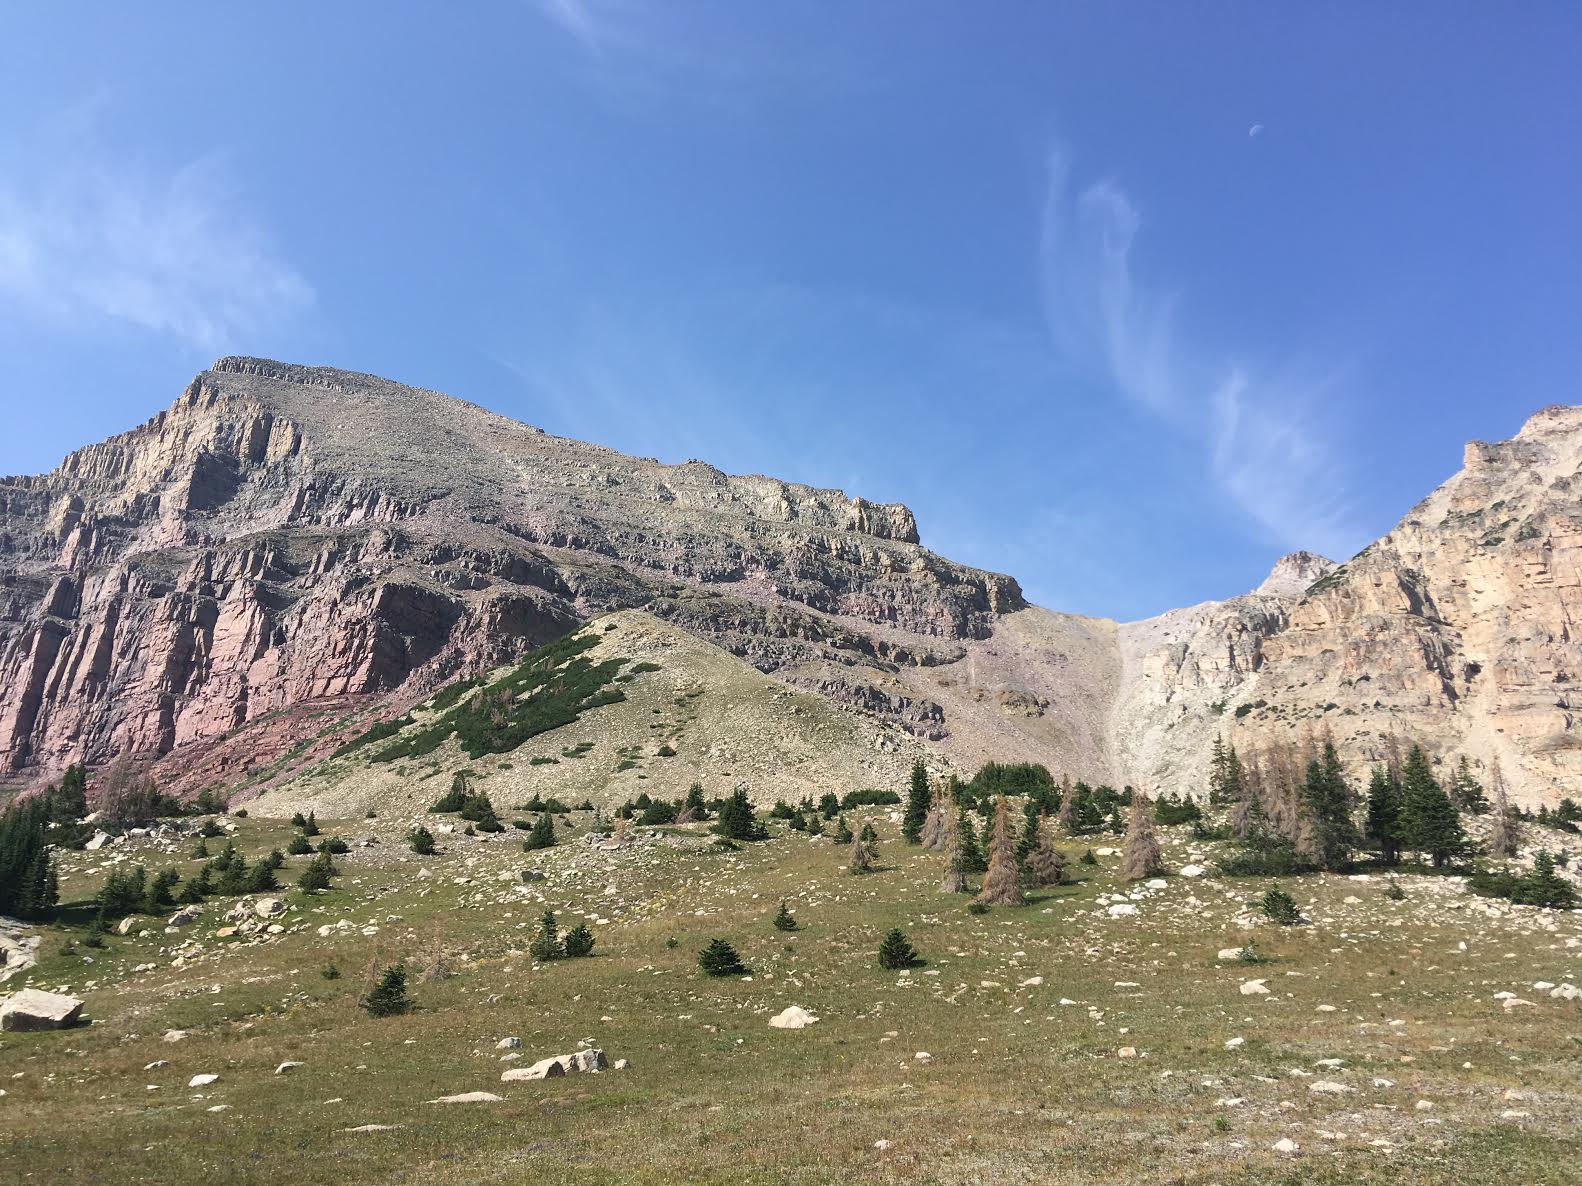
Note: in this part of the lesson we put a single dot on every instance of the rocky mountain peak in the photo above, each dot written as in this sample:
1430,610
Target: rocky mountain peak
1293,573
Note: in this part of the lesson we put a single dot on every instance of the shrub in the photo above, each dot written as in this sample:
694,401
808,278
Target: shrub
895,952
388,997
210,830
299,846
330,972
335,845
421,841
542,835
579,941
316,876
869,798
785,921
1281,907
1394,892
719,958
977,907
262,879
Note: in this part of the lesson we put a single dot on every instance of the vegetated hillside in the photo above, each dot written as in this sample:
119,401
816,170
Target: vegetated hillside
239,585
660,710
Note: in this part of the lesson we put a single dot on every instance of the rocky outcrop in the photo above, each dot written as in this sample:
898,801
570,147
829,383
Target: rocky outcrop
287,535
35,1009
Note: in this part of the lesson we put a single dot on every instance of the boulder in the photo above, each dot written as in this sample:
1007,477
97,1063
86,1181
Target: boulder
1193,871
98,841
268,907
469,1097
1253,988
35,1009
556,1066
185,916
202,1080
792,1017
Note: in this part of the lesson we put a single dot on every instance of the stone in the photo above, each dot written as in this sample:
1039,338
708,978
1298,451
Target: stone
923,1058
1156,883
1233,1043
35,1009
126,926
1230,953
792,1017
185,916
1126,1052
97,841
556,1066
1329,1087
173,1035
269,907
287,1067
1122,909
1193,871
1287,1146
202,1080
1252,988
508,1044
469,1097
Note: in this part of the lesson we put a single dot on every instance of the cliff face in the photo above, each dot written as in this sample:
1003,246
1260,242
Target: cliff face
285,534
286,542
1457,628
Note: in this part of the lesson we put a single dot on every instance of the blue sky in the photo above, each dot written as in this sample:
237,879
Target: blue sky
1125,300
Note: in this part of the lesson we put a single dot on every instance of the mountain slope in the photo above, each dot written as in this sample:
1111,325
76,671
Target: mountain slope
288,551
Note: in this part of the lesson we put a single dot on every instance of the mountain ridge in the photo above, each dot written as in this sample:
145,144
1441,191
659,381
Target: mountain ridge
284,535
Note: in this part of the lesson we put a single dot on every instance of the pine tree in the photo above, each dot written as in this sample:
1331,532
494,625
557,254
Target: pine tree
542,834
842,831
310,826
68,802
719,958
1046,865
455,798
388,997
261,879
1466,792
972,858
1225,775
1281,907
1383,826
579,941
1429,820
1544,887
421,841
917,805
1002,882
317,875
785,920
737,821
935,825
1329,834
299,846
27,871
896,953
546,945
1141,856
1031,818
955,861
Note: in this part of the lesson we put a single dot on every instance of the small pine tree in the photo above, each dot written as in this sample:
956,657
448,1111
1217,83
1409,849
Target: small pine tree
1280,907
317,875
785,920
542,835
972,858
895,952
421,841
388,997
1544,887
719,958
546,945
579,941
310,826
1141,856
1429,821
1383,825
917,805
736,818
1394,892
261,879
842,831
299,846
1031,820
1046,865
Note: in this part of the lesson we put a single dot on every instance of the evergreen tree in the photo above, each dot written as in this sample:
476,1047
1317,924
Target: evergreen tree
1031,817
896,953
1225,773
828,805
1002,881
1327,800
1383,826
1067,816
719,958
1429,821
124,892
972,858
737,821
1466,792
388,997
1141,857
317,875
546,945
160,895
420,840
955,860
299,846
28,884
262,879
68,803
579,941
455,798
1544,887
542,834
1281,907
785,920
1046,865
310,826
842,832
917,805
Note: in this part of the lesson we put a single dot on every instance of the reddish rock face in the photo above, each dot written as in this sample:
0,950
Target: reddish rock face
284,535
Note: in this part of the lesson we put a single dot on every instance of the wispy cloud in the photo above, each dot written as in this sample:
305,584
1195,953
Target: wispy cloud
101,241
1260,427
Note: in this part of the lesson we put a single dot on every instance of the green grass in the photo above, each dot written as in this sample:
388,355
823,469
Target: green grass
1020,1089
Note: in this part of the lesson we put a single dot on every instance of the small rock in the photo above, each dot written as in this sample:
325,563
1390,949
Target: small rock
1286,1145
286,1068
469,1097
1252,988
508,1044
793,1017
202,1080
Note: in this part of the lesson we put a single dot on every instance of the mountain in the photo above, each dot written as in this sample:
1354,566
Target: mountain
289,553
